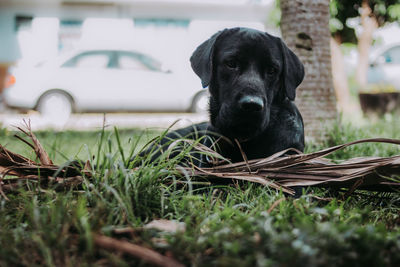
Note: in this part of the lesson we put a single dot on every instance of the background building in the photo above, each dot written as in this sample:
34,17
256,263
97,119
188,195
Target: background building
169,30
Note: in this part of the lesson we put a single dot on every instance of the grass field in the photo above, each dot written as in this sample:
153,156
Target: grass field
242,225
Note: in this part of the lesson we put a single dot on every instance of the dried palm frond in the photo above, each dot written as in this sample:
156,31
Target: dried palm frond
281,171
36,146
18,168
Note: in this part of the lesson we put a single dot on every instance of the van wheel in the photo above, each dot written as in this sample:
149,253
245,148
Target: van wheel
200,102
55,104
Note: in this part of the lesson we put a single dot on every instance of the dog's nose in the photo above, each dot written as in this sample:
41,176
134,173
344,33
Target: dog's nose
251,103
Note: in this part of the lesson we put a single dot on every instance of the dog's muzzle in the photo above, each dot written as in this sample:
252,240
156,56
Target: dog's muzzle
251,103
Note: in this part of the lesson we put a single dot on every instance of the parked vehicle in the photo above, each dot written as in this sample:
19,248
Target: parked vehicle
102,81
384,70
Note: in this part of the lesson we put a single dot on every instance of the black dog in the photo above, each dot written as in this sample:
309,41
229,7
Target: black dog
252,78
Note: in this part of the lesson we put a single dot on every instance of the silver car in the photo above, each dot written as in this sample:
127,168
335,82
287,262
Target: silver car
384,70
104,80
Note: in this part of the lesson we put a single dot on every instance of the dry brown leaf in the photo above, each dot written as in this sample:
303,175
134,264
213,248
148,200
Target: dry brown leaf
166,226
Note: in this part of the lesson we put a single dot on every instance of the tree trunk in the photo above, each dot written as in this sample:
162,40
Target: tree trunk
369,25
304,26
340,79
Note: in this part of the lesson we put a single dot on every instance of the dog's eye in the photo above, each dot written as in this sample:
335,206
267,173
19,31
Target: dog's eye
231,63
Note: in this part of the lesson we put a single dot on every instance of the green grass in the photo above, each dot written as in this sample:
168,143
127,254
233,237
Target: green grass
225,225
66,145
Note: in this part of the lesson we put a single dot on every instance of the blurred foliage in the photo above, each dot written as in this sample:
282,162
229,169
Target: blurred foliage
380,88
341,11
274,15
345,131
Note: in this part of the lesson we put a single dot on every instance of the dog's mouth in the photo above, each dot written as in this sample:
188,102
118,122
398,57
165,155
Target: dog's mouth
244,132
236,125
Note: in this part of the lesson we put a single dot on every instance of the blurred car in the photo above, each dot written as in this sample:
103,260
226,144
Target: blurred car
102,81
384,69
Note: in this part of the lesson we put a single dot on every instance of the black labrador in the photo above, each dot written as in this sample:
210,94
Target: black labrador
252,78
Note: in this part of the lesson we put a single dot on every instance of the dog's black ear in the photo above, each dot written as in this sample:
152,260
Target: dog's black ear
292,73
202,59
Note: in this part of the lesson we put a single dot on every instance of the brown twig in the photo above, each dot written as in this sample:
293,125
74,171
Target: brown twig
276,203
243,155
38,148
2,192
136,251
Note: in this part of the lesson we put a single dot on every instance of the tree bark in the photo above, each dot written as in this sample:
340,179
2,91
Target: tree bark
369,25
305,29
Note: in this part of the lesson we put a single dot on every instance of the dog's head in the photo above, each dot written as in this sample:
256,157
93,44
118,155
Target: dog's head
247,71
